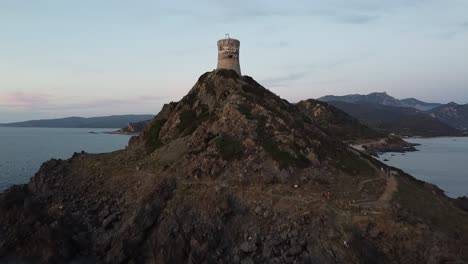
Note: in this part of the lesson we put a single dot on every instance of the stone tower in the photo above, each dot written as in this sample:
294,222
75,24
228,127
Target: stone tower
228,54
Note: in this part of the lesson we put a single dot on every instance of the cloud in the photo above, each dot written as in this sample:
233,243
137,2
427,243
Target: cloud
274,44
358,19
38,102
23,99
453,32
298,72
348,12
74,104
283,44
278,81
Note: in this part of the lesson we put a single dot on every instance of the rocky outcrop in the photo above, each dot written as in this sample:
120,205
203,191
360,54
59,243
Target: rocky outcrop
391,143
133,128
337,123
230,174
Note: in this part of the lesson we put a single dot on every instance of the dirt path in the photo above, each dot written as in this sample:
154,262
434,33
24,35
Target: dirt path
390,189
385,197
312,197
364,182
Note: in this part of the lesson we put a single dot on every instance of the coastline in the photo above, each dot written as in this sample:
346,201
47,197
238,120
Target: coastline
124,133
426,165
374,147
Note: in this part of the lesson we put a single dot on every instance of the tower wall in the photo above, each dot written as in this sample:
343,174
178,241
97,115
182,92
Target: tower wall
228,54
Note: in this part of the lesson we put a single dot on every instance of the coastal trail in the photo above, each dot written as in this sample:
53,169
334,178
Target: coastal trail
385,198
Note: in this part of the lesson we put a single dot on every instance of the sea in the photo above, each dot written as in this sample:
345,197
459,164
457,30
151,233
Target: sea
442,161
23,150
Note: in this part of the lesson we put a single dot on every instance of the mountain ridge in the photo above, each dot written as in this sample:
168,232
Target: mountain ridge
381,98
404,121
112,121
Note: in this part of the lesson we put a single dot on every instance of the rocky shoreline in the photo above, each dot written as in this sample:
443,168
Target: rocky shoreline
132,128
387,144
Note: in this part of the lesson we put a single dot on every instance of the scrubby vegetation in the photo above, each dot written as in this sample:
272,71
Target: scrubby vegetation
153,142
245,110
229,147
424,207
189,121
353,165
268,143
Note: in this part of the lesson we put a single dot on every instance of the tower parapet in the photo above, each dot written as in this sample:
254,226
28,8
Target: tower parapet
228,54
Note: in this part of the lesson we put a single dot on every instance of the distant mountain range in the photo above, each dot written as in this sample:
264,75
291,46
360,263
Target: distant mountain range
400,120
382,99
114,121
411,117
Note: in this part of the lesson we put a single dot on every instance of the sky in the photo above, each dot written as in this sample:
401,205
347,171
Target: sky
87,58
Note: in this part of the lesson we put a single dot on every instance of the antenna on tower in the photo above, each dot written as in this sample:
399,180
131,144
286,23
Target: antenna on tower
227,36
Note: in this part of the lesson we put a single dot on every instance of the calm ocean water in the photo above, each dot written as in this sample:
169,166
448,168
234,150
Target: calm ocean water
23,150
442,161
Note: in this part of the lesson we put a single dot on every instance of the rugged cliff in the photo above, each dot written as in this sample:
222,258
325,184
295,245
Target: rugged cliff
230,174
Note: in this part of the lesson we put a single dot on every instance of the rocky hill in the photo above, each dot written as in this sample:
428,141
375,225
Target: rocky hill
338,124
230,174
418,104
453,114
114,121
381,99
400,120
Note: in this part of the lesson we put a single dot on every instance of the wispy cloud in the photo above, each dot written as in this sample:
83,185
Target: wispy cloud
298,72
281,80
359,19
350,12
45,102
454,31
23,99
73,104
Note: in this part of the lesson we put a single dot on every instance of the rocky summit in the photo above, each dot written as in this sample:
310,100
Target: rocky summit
230,174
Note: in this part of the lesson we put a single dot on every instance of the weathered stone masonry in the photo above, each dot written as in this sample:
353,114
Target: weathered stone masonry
228,54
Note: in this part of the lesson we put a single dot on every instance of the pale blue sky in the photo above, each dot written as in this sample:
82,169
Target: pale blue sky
99,57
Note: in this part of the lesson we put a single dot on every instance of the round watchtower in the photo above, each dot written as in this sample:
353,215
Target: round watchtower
228,54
